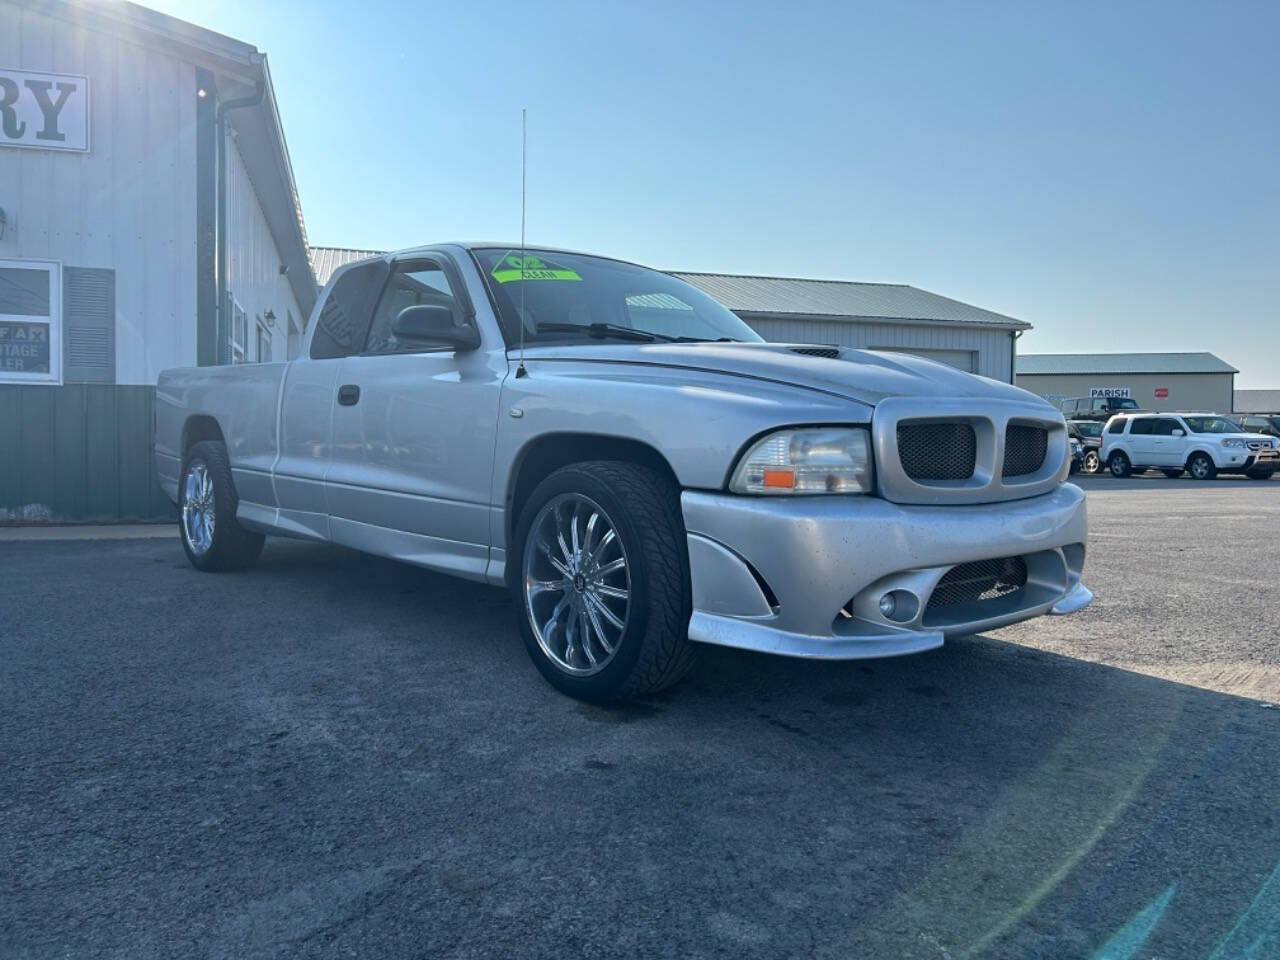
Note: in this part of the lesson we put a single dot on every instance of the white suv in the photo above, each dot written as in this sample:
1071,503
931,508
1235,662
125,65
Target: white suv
1202,444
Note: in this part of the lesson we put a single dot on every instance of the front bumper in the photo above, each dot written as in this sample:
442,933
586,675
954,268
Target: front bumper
804,576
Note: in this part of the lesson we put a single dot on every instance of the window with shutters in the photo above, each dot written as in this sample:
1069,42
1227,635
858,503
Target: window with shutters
239,333
263,341
30,322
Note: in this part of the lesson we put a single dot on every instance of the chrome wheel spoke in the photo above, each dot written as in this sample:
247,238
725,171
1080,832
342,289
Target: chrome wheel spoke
538,587
600,608
198,508
611,566
604,590
584,632
599,630
607,539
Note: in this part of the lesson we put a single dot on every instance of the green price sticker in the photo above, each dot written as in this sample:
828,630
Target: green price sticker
512,266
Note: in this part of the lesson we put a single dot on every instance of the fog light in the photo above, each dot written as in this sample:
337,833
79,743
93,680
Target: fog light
887,605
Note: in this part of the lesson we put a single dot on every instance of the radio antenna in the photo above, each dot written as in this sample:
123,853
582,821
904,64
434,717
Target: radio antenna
524,150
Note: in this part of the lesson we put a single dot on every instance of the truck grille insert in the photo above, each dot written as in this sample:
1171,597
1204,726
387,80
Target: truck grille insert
1024,449
937,451
978,581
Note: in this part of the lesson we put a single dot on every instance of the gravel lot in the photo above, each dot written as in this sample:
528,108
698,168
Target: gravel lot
333,755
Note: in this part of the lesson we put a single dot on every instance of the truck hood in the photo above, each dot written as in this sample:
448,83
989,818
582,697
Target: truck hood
861,375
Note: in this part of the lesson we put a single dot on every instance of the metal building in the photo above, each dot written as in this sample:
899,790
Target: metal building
148,219
1156,381
875,316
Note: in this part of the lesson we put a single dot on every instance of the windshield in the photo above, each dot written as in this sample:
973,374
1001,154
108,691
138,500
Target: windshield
570,297
1212,425
1123,403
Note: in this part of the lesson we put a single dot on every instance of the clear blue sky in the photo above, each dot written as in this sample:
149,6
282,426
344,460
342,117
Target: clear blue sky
1110,173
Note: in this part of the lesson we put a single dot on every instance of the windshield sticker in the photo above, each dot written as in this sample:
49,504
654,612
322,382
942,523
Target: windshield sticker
511,266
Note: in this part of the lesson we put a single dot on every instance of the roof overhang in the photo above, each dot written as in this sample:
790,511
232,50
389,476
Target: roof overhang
238,67
1007,326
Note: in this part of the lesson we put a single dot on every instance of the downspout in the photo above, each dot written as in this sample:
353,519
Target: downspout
1014,336
224,293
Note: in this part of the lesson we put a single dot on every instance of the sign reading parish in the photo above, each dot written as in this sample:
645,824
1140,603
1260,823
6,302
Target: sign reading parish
44,111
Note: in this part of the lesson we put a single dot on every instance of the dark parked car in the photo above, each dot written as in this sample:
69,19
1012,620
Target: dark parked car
1268,423
1089,433
1101,409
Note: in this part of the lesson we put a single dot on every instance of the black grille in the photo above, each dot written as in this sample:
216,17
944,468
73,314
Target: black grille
937,451
831,353
980,580
1024,449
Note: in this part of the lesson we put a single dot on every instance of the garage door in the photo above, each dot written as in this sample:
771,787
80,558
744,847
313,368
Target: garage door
966,360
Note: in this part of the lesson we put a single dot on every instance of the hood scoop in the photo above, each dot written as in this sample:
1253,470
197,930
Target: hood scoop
830,353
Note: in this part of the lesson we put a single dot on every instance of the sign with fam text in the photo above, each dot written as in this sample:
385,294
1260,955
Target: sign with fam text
24,347
44,111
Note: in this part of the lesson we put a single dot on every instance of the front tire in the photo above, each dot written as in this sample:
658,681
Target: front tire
600,581
211,536
1201,467
1119,465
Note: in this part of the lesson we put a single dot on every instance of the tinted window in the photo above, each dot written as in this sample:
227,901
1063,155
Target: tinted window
1117,425
412,283
1165,426
1122,403
344,316
1090,428
1142,427
569,297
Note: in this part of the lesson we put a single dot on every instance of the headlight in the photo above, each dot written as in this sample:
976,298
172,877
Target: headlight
1232,442
820,460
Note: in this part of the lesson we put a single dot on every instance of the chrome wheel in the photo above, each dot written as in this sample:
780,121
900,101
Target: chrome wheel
577,588
198,508
1091,463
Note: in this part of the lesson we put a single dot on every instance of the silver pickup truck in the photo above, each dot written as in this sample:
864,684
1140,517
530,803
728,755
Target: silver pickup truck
634,464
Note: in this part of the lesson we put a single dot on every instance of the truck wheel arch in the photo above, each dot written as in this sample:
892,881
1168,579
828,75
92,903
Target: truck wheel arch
544,455
198,428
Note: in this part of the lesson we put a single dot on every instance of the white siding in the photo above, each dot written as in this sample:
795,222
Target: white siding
128,204
991,348
253,273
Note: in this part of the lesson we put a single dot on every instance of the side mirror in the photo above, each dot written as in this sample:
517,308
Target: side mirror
1178,433
433,324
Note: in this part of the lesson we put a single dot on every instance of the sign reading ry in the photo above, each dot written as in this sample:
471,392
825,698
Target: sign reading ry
44,111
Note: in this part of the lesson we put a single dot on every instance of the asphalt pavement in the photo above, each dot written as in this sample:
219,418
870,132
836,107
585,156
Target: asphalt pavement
332,755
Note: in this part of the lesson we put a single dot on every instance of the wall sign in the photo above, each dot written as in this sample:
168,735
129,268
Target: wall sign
1162,393
1095,392
44,111
24,347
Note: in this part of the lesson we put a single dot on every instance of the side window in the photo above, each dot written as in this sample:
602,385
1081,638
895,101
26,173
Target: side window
1099,405
1142,427
343,320
1117,425
413,283
1165,427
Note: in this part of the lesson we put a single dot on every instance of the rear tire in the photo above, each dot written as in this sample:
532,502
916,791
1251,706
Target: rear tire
576,645
1260,474
1173,474
1119,465
212,538
1201,467
1091,462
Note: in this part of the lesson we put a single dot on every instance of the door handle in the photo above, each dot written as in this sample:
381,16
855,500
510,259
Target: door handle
348,394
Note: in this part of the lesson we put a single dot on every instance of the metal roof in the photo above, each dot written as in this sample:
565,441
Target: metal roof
784,296
325,260
838,299
1257,401
1088,363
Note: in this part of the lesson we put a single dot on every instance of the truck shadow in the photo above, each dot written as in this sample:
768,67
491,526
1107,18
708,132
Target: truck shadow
985,799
